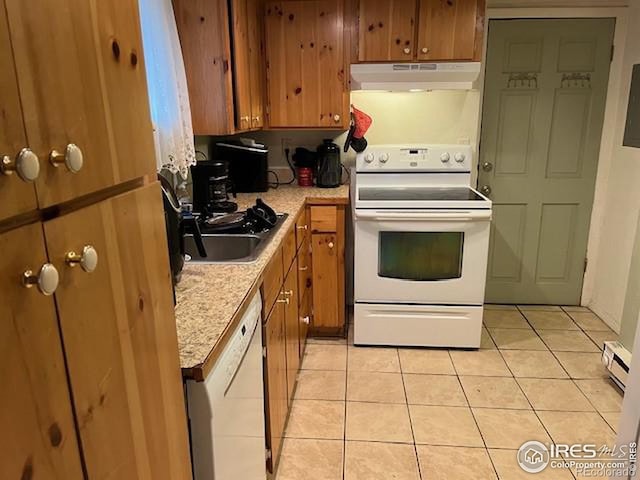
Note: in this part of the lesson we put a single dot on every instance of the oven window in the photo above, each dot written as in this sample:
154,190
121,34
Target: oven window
421,256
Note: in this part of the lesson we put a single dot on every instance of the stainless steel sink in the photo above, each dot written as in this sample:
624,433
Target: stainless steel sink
230,247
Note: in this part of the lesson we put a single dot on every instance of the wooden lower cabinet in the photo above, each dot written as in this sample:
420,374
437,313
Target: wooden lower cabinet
119,336
38,434
275,384
304,319
292,328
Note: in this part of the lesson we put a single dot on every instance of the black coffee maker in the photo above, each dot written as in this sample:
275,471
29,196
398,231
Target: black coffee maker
211,188
329,167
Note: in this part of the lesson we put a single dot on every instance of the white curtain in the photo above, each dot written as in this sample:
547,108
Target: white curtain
167,83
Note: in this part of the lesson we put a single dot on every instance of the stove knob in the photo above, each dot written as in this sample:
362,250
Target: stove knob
459,157
444,158
384,158
369,157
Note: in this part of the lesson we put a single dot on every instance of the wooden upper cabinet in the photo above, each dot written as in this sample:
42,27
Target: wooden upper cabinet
203,28
450,29
81,80
386,30
118,331
17,194
241,64
306,64
255,27
39,438
222,50
420,30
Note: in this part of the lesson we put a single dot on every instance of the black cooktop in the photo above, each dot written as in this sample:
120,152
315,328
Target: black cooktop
419,193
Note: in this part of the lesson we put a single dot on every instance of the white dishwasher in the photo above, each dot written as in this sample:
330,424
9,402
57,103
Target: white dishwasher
226,411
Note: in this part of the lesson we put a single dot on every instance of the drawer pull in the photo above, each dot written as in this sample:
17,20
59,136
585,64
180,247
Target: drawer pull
288,293
46,279
283,300
72,158
88,260
303,269
26,165
302,227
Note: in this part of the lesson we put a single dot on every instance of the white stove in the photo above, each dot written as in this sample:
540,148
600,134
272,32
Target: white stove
421,243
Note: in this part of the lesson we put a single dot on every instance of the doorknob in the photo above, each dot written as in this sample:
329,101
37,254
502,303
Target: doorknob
486,190
487,166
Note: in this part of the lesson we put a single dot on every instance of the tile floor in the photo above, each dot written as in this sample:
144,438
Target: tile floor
363,413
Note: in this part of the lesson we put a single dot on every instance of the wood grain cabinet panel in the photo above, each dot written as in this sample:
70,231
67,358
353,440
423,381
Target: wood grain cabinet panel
203,28
306,64
38,433
255,27
291,316
326,303
16,195
241,64
447,29
119,336
275,382
386,30
81,79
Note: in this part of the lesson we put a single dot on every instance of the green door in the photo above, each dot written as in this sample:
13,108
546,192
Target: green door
544,98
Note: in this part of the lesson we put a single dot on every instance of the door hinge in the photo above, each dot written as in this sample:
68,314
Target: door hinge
613,49
264,352
586,261
267,454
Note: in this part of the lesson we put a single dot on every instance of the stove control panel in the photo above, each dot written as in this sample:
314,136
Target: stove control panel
415,158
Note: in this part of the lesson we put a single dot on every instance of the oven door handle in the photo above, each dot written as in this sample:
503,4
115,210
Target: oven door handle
439,216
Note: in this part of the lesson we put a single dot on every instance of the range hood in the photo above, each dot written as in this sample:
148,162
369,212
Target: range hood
414,76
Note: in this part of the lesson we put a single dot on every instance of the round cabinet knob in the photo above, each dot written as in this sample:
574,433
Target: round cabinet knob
424,50
46,279
256,119
88,259
407,51
459,157
26,165
72,158
330,245
369,157
306,320
384,158
336,118
444,158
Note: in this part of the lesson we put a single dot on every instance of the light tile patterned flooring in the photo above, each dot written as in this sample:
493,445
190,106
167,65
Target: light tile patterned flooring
363,413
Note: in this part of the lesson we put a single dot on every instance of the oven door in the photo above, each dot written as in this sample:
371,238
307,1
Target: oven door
421,256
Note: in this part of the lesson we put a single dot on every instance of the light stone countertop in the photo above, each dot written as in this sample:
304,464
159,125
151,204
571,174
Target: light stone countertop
208,296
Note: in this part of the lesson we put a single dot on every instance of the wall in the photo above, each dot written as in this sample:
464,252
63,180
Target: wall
398,117
619,202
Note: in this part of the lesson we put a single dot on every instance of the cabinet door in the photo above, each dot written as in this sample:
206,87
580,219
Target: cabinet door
16,195
38,433
386,30
241,64
275,384
304,316
255,15
450,29
325,280
292,329
81,80
306,84
203,27
119,336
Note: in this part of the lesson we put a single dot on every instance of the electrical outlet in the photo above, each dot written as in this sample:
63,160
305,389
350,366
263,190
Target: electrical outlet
286,143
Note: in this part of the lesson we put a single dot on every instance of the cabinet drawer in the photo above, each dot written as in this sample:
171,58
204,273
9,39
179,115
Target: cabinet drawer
289,249
302,227
324,219
272,282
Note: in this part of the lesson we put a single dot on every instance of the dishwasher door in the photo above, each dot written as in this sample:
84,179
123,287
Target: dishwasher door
226,411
